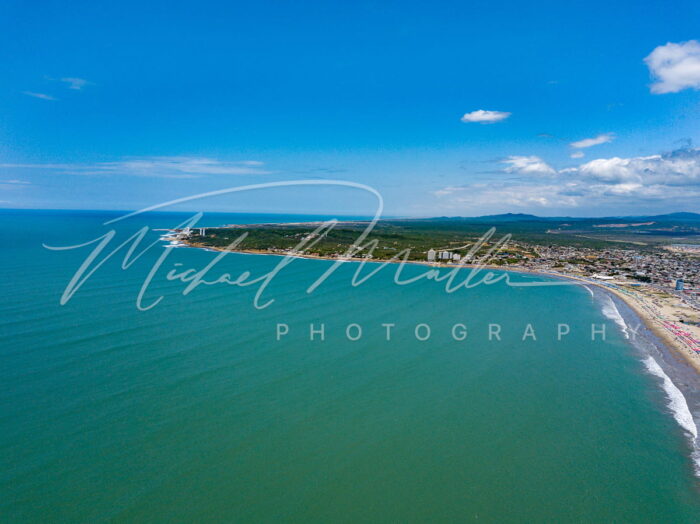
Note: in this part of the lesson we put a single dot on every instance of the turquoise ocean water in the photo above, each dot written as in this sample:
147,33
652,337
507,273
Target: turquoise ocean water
193,411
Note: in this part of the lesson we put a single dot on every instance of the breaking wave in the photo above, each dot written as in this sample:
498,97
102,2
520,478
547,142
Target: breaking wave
610,311
678,406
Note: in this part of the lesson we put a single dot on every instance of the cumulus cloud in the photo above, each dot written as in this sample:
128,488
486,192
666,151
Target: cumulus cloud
42,96
485,117
675,67
163,167
527,165
678,168
595,141
605,183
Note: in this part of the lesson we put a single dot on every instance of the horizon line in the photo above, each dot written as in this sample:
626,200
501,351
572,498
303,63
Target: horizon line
296,213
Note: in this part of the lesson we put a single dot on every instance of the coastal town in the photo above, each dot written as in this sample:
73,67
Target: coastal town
662,285
670,270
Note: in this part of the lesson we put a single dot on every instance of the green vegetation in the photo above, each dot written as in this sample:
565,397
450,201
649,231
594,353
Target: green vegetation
458,235
390,240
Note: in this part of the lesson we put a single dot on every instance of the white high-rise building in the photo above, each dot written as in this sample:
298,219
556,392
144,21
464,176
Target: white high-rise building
431,255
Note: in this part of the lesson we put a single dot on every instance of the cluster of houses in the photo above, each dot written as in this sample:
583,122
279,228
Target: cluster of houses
670,270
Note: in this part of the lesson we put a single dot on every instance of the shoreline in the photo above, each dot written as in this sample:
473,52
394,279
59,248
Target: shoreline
642,306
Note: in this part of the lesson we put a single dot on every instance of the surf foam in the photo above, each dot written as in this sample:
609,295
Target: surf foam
678,406
610,311
676,401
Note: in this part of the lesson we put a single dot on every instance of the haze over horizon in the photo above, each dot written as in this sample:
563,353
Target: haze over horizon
454,110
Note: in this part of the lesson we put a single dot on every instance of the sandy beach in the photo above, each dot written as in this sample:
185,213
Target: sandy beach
662,315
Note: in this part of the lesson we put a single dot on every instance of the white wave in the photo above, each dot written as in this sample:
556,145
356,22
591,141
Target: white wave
589,290
678,406
676,400
610,311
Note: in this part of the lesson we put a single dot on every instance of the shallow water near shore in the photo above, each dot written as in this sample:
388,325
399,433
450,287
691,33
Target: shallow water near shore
193,410
679,381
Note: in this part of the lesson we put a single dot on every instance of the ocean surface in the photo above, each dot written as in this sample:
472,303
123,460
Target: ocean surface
192,410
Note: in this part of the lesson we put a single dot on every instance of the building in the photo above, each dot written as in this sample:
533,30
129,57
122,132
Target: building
183,233
431,255
456,257
679,284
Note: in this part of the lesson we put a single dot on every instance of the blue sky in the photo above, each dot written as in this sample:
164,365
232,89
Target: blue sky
124,105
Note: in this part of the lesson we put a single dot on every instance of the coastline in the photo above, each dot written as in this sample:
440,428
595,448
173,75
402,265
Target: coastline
644,310
641,305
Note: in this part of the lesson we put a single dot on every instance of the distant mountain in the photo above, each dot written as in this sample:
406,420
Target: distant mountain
505,217
677,216
524,217
510,217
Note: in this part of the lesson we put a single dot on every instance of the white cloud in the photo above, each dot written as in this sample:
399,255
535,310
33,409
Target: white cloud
42,96
675,67
75,83
679,168
447,190
182,167
163,167
528,165
611,184
595,141
577,154
485,117
506,197
15,182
